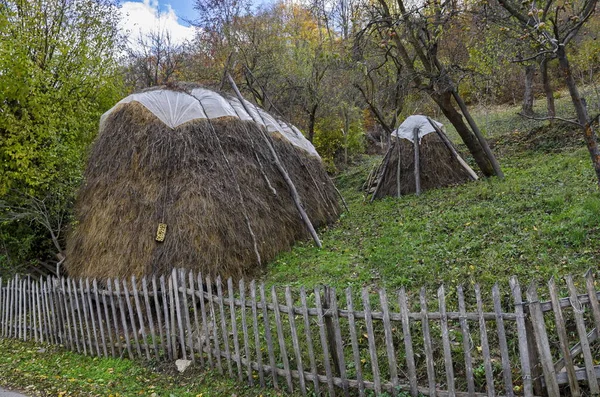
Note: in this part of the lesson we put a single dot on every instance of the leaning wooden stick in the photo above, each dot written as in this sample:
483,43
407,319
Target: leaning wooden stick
284,174
449,145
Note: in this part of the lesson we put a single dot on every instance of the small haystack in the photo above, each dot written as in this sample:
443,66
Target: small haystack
418,140
189,178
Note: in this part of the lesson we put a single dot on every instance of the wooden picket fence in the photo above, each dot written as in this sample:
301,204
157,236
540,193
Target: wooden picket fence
461,342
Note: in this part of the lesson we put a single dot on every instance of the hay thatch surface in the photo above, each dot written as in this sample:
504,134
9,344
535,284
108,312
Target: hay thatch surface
439,167
141,173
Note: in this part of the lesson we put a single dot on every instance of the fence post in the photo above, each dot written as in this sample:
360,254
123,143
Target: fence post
541,339
330,331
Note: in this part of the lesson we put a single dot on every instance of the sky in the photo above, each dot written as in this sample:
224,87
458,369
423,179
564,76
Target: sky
146,16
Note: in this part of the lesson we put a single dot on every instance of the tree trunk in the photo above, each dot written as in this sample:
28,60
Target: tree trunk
312,115
589,134
444,101
527,108
547,88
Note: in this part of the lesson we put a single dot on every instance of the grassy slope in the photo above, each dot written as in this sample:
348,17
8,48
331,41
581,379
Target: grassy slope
540,221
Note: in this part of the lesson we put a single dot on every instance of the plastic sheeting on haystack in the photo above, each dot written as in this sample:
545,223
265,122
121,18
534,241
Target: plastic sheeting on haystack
406,129
175,108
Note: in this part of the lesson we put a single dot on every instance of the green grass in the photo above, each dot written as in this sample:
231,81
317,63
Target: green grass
540,221
42,370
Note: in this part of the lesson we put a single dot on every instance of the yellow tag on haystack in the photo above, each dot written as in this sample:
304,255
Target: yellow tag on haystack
161,232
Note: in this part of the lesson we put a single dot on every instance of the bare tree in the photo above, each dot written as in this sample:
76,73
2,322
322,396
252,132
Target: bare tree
414,36
154,59
553,25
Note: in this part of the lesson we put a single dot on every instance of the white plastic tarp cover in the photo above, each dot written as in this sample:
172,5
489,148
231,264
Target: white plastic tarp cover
171,107
175,108
213,104
406,129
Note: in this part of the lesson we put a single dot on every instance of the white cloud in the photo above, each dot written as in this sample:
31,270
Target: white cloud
145,17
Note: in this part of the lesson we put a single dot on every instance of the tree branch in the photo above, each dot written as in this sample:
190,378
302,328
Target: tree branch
550,118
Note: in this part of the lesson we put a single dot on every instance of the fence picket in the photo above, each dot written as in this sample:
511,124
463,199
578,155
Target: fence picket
213,319
21,316
294,334
506,371
13,310
138,307
323,339
205,324
166,311
84,309
149,316
281,337
242,289
446,341
485,347
125,328
591,290
257,344
309,341
37,308
466,337
72,298
224,329
175,280
59,307
522,336
354,342
44,326
541,339
7,307
134,327
196,322
563,339
186,312
583,338
172,295
159,319
408,344
3,306
47,330
427,344
263,302
389,341
234,331
90,306
99,316
115,321
371,340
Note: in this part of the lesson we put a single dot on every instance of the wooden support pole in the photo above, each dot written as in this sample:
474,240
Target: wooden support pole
450,147
398,169
282,171
381,175
417,162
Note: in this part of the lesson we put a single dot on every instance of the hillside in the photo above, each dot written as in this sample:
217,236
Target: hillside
539,222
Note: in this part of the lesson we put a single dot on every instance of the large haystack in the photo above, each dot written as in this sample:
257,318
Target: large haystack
439,164
212,181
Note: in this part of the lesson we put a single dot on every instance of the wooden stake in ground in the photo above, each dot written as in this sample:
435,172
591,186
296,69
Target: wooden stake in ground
417,162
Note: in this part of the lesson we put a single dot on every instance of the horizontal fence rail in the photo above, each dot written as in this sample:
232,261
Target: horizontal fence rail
455,342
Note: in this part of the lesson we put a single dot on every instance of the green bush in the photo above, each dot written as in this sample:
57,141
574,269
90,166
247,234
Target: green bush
333,145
